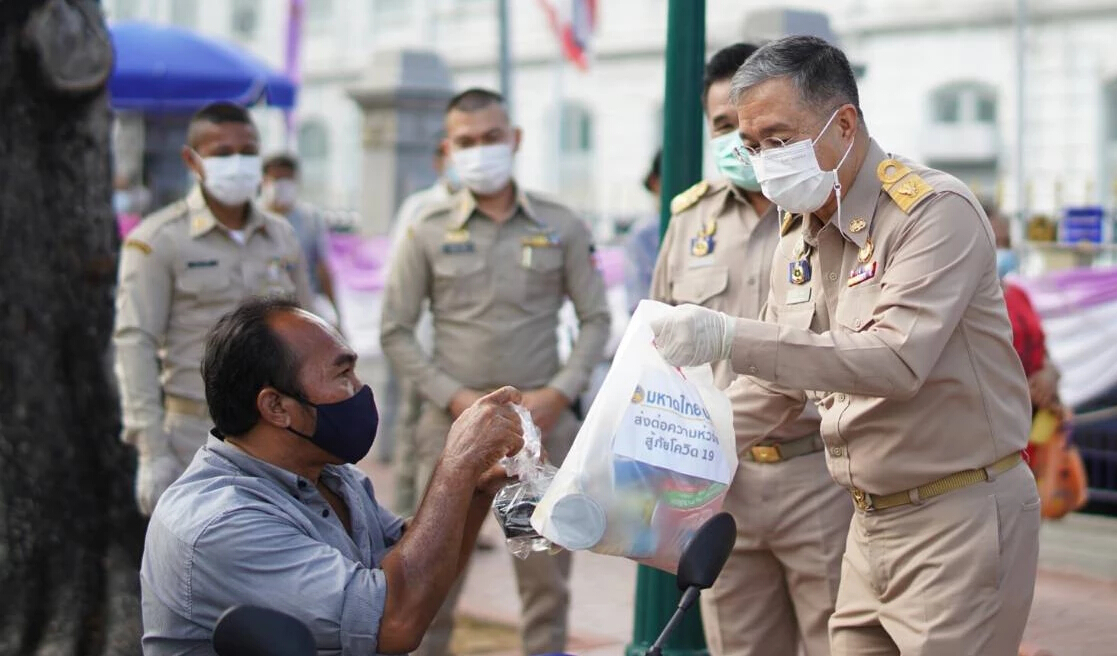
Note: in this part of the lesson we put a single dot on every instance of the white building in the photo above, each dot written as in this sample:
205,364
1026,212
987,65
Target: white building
938,86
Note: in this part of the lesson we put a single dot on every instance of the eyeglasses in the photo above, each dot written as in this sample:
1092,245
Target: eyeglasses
743,152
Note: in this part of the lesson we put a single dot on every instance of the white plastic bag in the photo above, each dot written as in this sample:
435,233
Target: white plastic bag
516,501
652,460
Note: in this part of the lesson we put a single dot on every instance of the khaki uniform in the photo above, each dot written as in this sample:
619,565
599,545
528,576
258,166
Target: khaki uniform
898,326
778,588
180,271
495,291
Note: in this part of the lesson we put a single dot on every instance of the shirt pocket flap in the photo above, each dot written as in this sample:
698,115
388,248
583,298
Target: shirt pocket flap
856,307
203,281
697,287
798,316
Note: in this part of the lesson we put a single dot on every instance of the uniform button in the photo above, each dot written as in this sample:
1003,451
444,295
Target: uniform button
753,370
832,276
325,513
752,281
302,485
836,452
842,398
856,323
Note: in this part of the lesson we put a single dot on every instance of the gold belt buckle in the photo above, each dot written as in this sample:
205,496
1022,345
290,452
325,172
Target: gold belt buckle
863,501
766,453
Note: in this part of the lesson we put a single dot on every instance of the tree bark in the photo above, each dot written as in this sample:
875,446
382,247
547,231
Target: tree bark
70,535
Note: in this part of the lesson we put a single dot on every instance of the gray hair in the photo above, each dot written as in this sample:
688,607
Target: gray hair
819,71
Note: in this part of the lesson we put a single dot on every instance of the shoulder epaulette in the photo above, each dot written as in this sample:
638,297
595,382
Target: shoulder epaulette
689,197
787,222
904,186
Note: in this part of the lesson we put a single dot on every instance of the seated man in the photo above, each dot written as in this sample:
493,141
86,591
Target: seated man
272,513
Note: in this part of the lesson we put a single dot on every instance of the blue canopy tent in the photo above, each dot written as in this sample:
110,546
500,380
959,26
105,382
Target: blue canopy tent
170,70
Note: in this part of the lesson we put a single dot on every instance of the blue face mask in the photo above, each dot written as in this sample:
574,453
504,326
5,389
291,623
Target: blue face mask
450,175
1007,262
345,429
121,202
734,170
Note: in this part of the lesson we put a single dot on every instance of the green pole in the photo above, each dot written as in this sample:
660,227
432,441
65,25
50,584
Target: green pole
657,596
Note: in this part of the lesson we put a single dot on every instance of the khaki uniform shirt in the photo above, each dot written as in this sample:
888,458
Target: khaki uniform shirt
718,253
900,332
181,271
495,291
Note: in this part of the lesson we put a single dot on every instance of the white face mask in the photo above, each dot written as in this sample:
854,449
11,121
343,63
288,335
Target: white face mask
484,169
791,178
232,179
280,193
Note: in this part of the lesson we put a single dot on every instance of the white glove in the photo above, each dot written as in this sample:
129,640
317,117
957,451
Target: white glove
691,335
157,468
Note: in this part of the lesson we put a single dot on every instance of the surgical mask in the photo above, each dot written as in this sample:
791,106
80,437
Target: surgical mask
345,429
741,174
484,169
1007,262
280,193
450,175
232,179
791,178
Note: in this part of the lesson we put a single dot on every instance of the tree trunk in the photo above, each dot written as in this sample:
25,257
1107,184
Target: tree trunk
70,535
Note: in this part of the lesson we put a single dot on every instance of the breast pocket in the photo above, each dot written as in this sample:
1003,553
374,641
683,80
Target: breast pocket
543,272
799,315
699,286
205,285
856,307
460,280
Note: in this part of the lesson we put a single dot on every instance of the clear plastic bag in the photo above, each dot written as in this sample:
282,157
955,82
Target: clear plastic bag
515,503
652,461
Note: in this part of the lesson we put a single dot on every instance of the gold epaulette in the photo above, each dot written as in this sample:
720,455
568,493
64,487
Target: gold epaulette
787,222
689,197
905,187
141,246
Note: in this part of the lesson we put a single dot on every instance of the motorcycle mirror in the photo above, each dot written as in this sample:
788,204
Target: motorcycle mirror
706,553
255,631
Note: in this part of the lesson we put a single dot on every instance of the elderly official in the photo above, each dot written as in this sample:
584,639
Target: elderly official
886,308
496,264
180,271
778,588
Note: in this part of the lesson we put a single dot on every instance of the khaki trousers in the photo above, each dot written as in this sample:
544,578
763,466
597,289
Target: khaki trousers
951,576
778,588
404,459
541,579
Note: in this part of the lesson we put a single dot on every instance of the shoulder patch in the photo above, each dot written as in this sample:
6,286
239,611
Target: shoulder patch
689,197
141,246
787,222
905,187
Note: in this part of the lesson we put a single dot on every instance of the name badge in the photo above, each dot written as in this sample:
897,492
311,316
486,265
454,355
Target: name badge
457,247
201,264
797,295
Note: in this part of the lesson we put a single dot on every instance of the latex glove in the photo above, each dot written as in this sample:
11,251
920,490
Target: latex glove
691,335
157,468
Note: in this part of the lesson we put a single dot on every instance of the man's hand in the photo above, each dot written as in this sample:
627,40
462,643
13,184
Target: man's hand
1044,387
546,405
492,480
157,468
690,335
485,432
462,399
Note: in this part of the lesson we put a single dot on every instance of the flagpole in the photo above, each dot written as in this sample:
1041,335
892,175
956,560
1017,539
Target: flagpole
295,10
505,57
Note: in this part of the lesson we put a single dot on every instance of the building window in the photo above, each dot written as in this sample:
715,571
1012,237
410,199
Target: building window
245,18
314,160
319,15
577,129
184,13
966,103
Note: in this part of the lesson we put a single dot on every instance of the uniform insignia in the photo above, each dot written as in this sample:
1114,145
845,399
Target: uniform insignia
788,222
701,246
861,273
857,225
799,272
138,245
456,236
905,187
866,251
689,197
541,240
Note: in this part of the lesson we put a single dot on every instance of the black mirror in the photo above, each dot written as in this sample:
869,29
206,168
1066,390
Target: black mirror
255,631
707,551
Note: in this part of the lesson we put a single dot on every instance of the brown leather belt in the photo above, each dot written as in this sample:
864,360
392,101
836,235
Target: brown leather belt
184,406
866,502
779,452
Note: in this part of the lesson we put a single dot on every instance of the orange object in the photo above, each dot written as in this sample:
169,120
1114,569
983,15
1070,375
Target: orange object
1060,473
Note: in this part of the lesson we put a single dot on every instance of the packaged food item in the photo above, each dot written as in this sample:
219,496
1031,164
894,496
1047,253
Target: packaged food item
515,503
652,460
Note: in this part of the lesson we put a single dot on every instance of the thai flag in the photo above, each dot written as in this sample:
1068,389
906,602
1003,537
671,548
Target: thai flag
573,22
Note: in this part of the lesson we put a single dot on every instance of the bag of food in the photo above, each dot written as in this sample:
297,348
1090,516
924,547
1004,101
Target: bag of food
1060,472
652,461
516,501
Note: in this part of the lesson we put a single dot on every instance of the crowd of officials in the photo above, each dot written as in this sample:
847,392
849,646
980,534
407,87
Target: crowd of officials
850,301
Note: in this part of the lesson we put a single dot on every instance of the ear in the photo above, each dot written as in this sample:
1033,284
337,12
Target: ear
847,120
273,407
191,162
517,136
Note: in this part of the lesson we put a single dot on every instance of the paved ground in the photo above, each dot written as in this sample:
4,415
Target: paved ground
1074,613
